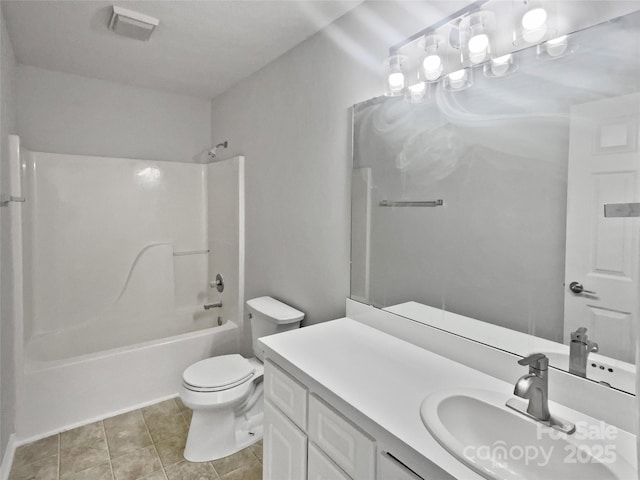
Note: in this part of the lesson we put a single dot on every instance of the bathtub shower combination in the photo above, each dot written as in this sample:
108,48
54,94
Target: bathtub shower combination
117,259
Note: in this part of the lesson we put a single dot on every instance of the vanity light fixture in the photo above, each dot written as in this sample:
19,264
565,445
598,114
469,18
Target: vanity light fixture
486,34
395,77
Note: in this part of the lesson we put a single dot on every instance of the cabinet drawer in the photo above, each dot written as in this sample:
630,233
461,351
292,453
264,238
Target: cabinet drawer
322,468
349,447
285,393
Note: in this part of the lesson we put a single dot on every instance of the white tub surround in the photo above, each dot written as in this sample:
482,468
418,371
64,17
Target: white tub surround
114,250
378,383
114,259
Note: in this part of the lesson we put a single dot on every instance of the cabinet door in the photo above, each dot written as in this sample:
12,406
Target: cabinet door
345,444
322,468
285,447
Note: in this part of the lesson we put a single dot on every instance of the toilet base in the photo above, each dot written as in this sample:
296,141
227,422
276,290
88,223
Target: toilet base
229,434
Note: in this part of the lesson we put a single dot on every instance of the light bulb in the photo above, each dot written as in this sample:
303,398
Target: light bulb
432,67
416,93
534,19
478,43
500,65
458,79
557,46
457,75
396,81
431,63
418,88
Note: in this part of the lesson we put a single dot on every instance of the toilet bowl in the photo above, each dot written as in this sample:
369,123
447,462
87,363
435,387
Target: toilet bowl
226,392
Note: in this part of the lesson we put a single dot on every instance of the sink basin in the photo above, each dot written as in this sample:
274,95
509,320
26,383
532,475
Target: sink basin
600,369
498,443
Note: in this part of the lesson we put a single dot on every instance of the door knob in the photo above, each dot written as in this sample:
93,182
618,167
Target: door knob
577,287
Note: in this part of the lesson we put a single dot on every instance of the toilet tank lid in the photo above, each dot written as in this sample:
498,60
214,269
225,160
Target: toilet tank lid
275,309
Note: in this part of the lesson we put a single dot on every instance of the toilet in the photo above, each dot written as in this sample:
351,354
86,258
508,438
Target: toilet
225,392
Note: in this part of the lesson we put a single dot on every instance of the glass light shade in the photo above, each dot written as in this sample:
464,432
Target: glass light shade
416,93
557,46
431,68
534,19
396,81
478,43
500,66
534,25
459,80
395,75
476,37
430,64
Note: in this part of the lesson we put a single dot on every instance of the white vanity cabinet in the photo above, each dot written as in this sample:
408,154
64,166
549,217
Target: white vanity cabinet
307,438
285,422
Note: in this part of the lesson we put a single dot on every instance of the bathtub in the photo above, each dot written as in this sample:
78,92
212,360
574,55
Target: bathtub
58,394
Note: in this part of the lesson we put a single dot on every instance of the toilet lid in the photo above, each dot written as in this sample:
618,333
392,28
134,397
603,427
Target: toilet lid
219,372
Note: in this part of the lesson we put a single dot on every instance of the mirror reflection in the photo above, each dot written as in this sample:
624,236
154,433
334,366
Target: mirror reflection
535,244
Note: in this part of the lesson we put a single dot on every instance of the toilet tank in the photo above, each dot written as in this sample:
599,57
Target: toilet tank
269,316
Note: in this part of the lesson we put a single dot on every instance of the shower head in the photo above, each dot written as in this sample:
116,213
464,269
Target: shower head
212,152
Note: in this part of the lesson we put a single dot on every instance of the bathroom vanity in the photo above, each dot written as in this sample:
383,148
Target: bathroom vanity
343,401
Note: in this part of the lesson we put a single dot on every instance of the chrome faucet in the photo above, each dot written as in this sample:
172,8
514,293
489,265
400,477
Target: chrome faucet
534,387
579,350
213,305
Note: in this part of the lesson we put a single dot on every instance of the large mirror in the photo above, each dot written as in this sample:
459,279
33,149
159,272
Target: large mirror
508,211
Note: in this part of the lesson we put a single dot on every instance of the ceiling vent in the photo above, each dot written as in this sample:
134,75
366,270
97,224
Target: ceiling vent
132,24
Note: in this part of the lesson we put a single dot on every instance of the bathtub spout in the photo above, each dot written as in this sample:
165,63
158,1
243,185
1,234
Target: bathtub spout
213,305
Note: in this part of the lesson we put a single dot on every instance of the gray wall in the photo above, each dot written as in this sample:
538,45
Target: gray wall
292,121
63,113
7,126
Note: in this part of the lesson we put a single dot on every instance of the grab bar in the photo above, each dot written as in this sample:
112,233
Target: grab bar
430,203
5,199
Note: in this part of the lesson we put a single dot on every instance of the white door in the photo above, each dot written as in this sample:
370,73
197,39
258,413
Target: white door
285,447
602,252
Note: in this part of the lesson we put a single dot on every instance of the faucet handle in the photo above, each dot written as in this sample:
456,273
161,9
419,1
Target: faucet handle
538,361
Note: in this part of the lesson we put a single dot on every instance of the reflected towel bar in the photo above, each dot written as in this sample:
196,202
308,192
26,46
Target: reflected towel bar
190,252
431,203
5,199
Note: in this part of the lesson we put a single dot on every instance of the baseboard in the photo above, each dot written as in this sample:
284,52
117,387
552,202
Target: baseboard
7,459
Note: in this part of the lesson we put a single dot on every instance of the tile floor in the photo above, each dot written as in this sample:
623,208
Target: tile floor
145,444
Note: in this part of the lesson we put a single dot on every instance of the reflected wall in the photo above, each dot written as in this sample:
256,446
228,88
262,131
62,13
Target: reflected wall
497,155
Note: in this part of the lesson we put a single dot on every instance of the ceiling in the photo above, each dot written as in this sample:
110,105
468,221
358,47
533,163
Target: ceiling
200,48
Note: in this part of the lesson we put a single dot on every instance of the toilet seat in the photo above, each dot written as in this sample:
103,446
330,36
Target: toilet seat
218,373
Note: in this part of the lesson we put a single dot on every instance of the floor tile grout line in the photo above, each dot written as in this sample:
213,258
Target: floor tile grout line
106,441
59,453
153,442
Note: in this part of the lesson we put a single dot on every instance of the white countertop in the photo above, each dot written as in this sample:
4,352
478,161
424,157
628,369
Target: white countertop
384,378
